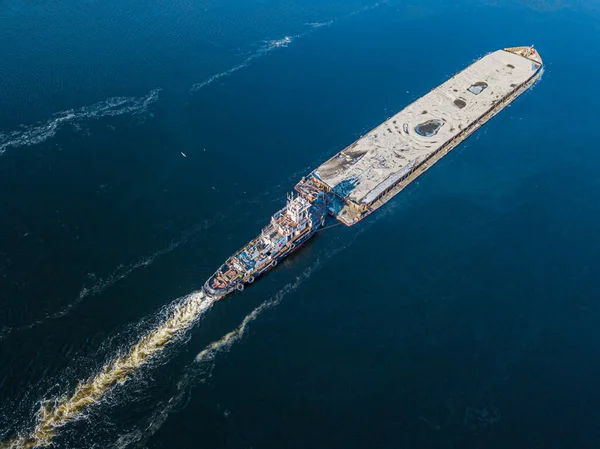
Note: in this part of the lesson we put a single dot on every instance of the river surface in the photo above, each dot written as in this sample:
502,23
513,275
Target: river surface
141,143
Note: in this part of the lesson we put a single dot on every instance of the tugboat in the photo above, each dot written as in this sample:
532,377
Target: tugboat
289,228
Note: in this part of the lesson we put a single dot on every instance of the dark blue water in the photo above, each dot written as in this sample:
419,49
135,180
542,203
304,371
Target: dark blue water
464,314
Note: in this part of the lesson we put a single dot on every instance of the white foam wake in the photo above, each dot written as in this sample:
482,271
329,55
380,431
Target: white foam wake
60,411
269,45
266,48
320,24
33,134
207,355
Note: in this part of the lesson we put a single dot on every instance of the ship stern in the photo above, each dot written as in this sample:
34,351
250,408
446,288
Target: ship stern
216,289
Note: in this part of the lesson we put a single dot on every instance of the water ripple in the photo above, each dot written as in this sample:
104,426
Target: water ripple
119,274
269,45
28,135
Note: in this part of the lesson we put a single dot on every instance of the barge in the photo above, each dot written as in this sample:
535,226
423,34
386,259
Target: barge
368,173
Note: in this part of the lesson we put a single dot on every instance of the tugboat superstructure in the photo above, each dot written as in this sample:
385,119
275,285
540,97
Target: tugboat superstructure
289,228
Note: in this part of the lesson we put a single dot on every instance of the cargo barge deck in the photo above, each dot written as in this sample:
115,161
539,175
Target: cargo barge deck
368,173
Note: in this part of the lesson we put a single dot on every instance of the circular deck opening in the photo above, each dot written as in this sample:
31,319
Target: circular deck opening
429,128
478,87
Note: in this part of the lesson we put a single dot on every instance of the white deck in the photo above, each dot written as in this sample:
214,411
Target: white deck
365,169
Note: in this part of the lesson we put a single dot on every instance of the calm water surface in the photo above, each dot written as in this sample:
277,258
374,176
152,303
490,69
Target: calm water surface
465,314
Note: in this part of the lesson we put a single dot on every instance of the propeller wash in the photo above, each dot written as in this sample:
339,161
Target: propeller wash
53,415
